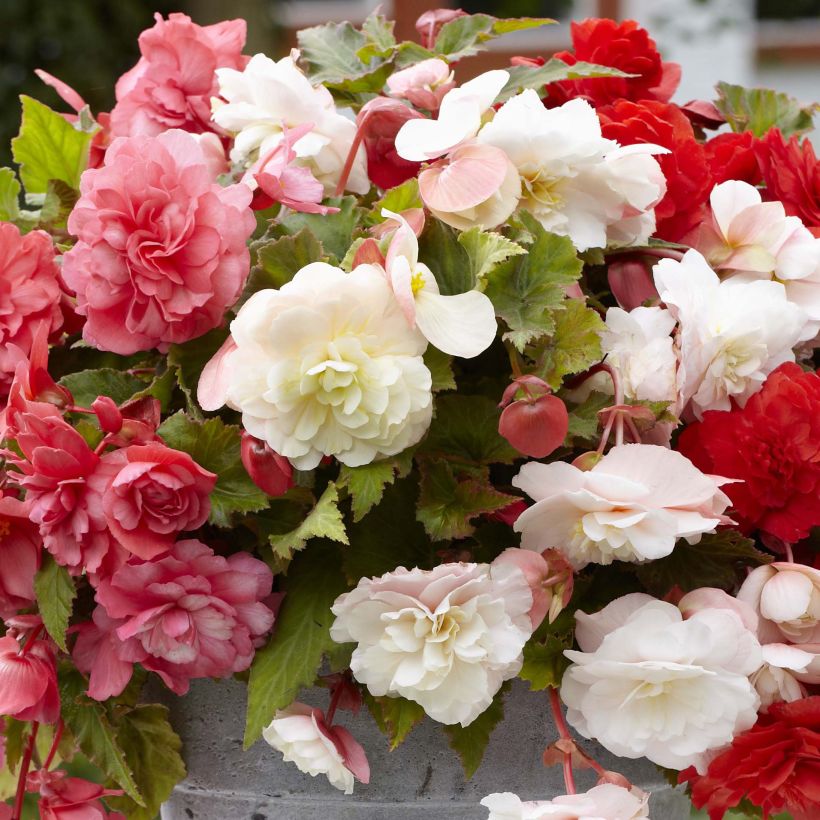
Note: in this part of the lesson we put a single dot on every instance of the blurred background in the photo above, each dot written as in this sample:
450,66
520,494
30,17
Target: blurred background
89,43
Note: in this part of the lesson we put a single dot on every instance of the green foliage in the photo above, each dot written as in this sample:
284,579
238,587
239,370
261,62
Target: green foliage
396,717
554,70
323,521
759,109
398,199
466,35
528,290
189,359
293,656
335,232
379,32
544,661
215,446
9,195
486,250
440,366
575,344
48,147
87,385
470,742
55,592
584,420
366,484
440,250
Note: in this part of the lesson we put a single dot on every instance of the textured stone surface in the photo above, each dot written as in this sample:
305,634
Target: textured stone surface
422,778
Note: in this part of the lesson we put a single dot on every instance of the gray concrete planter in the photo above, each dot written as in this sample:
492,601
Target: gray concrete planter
421,779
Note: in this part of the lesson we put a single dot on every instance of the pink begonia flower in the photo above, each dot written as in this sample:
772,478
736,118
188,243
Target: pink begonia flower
475,185
429,23
188,614
70,798
30,295
462,324
279,179
28,681
304,737
20,549
172,83
604,802
423,84
749,239
161,249
459,119
632,505
270,472
214,152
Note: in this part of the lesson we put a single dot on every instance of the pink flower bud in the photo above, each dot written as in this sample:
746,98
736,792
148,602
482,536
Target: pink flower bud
631,283
108,414
270,472
429,24
423,84
535,428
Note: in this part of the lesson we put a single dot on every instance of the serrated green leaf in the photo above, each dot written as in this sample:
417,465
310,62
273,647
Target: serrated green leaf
89,723
440,366
583,418
544,660
554,70
465,429
759,109
379,30
717,560
574,346
528,290
486,250
292,658
447,504
48,147
189,359
366,484
323,521
440,250
409,53
334,231
215,446
470,742
466,35
86,385
398,199
152,750
55,593
396,717
9,195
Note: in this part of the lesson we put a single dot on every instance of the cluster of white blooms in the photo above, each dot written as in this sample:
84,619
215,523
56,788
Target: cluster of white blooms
604,802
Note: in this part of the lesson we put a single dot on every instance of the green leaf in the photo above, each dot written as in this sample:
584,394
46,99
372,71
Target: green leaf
465,429
302,636
215,446
759,109
55,592
440,366
544,660
528,290
366,483
398,199
379,31
471,741
440,250
335,232
323,521
86,385
466,35
575,344
717,560
9,195
396,717
49,147
554,70
583,418
189,359
486,250
152,751
279,260
161,388
447,505
409,53
89,723
14,732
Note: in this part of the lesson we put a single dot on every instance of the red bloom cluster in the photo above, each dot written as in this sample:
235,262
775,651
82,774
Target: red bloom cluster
773,446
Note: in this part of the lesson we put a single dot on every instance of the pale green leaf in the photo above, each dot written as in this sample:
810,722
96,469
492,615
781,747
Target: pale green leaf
466,35
398,199
554,70
55,593
759,109
486,250
323,521
574,346
9,195
366,484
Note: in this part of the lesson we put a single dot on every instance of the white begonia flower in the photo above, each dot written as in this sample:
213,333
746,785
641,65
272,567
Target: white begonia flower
268,97
573,180
461,325
328,366
777,680
648,683
459,118
632,505
446,638
638,344
604,802
732,334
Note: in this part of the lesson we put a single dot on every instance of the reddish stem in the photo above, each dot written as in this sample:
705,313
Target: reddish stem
17,812
73,408
35,633
564,734
351,154
58,735
334,702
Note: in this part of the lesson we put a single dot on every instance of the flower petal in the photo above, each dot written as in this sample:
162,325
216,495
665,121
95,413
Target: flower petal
462,325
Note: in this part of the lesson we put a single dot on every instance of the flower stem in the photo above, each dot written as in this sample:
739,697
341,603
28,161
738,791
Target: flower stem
17,812
789,553
351,155
334,702
31,639
58,735
564,734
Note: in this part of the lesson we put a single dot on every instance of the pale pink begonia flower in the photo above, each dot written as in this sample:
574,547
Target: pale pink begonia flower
632,505
603,802
778,679
461,324
423,84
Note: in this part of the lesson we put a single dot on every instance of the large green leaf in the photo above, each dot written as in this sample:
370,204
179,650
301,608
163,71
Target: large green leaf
49,147
302,636
544,660
9,195
215,446
440,366
470,742
366,484
55,592
335,231
466,35
396,717
86,385
440,250
554,70
759,109
486,250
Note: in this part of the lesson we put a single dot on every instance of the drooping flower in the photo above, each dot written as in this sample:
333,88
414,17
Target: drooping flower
28,681
461,324
188,614
30,295
172,83
446,638
162,248
305,738
604,802
732,334
268,97
423,84
774,765
537,423
648,683
623,45
632,505
778,491
70,798
575,182
329,366
20,548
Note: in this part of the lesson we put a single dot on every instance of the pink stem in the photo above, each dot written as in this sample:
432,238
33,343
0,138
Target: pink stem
58,734
789,554
351,154
17,812
564,734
